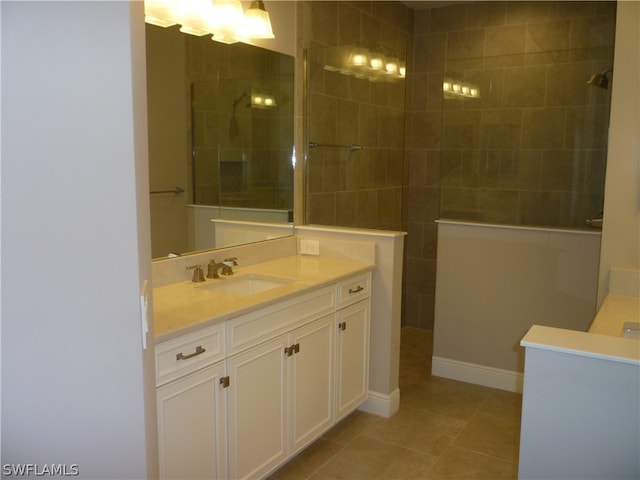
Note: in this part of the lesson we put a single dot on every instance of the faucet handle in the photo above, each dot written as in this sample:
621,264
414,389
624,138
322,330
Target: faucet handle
198,274
228,264
212,269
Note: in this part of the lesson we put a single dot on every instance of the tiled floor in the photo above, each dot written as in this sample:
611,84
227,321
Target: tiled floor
444,430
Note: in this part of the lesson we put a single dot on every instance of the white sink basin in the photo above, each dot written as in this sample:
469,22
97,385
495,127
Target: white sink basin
245,285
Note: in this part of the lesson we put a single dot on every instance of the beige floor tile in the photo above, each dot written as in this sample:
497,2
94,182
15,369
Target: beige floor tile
507,405
307,462
350,427
461,464
447,397
369,459
424,432
491,435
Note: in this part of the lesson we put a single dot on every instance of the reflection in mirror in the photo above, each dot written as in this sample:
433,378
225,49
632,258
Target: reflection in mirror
220,142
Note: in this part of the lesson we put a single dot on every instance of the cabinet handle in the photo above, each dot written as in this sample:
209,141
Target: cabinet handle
342,326
198,351
359,289
224,381
288,351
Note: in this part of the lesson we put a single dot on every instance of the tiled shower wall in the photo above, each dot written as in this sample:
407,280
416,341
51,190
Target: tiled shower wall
530,150
360,188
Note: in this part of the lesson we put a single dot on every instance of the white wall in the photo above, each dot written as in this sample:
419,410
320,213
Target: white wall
75,248
621,228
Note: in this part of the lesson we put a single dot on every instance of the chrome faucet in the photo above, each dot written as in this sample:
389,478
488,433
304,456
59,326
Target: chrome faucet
212,269
228,264
198,274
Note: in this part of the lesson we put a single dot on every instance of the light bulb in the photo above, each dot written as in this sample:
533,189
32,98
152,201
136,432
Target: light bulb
377,61
391,65
402,70
359,57
159,13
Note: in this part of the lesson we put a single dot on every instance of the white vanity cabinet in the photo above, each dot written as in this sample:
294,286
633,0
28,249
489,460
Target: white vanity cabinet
352,344
281,381
191,406
281,376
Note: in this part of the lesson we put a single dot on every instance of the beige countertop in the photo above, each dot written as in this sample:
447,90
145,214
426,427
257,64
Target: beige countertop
615,311
183,307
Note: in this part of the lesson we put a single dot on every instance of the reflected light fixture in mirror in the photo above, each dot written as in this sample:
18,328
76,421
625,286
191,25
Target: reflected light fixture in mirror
369,63
262,100
359,57
376,61
224,19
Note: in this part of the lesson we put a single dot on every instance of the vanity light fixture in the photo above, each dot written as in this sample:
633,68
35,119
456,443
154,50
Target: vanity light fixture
453,89
159,13
224,19
257,22
366,63
192,16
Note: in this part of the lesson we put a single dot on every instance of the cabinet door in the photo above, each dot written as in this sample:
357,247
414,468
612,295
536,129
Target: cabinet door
352,365
257,409
192,426
311,381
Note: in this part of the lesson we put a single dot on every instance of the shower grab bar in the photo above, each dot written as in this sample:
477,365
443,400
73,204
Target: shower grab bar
351,147
175,190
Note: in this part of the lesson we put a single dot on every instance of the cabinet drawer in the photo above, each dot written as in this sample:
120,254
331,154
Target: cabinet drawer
354,289
188,353
256,327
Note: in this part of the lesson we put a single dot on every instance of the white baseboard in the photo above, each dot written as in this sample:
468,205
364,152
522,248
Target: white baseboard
382,404
478,374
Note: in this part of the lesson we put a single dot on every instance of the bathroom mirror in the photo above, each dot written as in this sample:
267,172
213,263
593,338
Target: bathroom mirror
220,142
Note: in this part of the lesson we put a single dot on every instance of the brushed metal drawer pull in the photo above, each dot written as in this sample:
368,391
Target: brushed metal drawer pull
198,351
288,351
359,289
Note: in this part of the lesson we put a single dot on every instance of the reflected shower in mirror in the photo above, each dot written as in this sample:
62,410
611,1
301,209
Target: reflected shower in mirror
220,142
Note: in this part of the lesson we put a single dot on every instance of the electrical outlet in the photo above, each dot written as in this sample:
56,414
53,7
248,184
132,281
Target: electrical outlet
309,247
